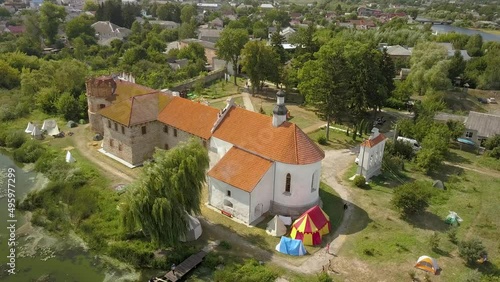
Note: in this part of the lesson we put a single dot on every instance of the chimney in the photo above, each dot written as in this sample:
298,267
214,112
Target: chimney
374,134
280,110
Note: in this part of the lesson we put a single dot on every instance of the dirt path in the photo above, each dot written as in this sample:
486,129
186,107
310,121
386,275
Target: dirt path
481,171
85,148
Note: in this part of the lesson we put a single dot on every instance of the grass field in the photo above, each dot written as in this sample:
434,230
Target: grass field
392,244
222,104
338,139
221,89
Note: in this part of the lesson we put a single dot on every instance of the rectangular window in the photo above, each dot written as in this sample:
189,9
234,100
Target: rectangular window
468,134
116,126
123,129
175,132
166,146
228,193
119,147
102,106
110,142
165,128
288,182
143,129
109,123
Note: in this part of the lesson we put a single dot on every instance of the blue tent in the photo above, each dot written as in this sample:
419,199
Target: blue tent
291,246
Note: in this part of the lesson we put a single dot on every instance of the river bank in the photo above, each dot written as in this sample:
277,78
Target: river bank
41,256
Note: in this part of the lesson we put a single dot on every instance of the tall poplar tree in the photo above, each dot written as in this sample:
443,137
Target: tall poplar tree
229,46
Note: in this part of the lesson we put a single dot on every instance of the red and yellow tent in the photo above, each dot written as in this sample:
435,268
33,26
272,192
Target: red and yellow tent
311,226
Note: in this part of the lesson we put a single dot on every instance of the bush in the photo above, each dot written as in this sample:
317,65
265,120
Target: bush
322,140
434,241
359,181
495,153
411,198
471,250
492,142
252,270
15,139
452,235
225,245
136,253
324,277
29,152
395,104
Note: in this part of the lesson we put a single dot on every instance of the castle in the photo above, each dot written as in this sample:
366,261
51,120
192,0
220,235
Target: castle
258,163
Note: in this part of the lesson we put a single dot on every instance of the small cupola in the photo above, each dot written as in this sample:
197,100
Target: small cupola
280,110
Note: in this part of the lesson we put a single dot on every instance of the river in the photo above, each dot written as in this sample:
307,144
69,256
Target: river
450,28
41,257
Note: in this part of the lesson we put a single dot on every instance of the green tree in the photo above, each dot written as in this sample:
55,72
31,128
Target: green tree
51,16
471,250
187,30
169,187
428,60
193,52
90,6
9,77
68,107
474,45
259,62
78,26
388,70
188,13
457,66
46,100
324,83
411,198
229,46
169,12
492,142
133,55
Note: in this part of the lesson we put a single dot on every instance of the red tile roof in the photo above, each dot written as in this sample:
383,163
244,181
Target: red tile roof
16,29
189,116
371,143
137,109
240,169
255,133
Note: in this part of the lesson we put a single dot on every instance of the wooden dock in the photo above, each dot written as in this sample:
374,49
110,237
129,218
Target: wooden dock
183,268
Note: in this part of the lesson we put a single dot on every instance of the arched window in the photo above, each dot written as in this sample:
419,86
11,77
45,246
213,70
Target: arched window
288,181
228,204
312,182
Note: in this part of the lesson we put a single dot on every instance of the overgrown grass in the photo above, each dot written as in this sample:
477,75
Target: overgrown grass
388,240
221,89
473,160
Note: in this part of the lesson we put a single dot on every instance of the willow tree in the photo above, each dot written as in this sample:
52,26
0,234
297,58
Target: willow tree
168,189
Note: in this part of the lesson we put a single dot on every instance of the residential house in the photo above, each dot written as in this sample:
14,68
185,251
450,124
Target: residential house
258,164
15,29
398,52
207,6
177,64
286,33
363,24
165,24
481,126
216,23
451,51
266,6
210,35
107,32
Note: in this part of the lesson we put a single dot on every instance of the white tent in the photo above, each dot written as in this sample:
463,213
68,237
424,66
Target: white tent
51,127
276,227
30,127
194,229
286,219
69,157
36,133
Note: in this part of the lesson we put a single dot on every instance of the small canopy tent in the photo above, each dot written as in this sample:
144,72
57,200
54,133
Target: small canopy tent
194,229
36,133
276,227
453,219
286,219
291,247
51,127
69,157
311,226
29,127
428,264
71,124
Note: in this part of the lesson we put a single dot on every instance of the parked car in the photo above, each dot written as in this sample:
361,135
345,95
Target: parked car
414,143
492,100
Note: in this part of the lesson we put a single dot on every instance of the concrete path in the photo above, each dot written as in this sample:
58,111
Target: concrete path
247,101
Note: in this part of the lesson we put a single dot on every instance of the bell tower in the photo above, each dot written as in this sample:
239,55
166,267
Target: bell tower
280,110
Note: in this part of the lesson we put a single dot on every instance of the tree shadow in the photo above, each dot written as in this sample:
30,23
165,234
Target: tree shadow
441,252
391,180
445,172
453,157
427,220
487,268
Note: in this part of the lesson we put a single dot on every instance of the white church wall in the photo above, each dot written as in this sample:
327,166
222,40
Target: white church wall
219,147
262,195
301,192
220,199
370,160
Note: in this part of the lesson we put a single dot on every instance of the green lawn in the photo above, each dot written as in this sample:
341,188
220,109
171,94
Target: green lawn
385,240
338,139
469,158
222,104
221,89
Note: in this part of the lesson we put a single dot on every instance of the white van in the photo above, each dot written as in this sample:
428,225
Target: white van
416,147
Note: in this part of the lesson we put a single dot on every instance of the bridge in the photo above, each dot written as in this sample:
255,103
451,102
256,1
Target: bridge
442,22
182,269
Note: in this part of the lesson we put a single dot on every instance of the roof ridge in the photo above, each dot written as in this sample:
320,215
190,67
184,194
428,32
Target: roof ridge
131,109
295,143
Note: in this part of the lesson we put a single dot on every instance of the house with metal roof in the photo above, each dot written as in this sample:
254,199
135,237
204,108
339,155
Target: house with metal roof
258,164
481,126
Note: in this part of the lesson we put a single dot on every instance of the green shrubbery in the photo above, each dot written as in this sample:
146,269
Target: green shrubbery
322,140
137,253
251,270
471,250
15,139
359,181
29,152
411,198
